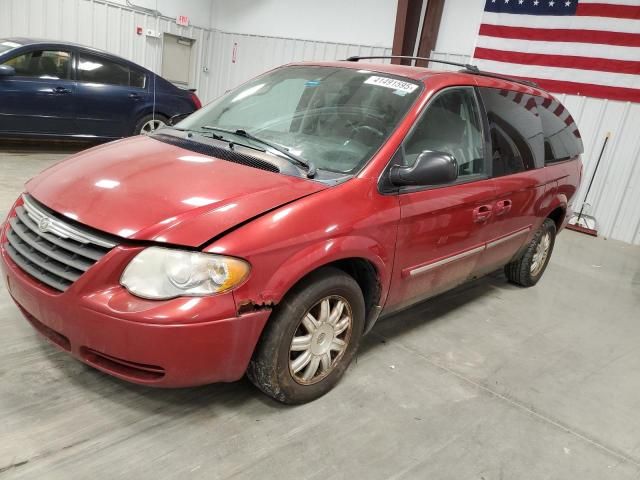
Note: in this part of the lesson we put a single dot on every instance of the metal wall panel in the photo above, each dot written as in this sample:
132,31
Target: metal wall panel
256,54
614,199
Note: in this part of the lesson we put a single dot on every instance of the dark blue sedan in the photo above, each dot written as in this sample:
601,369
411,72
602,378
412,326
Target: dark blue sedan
58,89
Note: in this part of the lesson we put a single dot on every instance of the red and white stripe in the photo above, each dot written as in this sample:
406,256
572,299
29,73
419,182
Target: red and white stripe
595,53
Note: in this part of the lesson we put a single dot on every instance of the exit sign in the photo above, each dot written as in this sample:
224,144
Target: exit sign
182,20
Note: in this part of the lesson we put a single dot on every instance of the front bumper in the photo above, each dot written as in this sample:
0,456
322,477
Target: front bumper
174,343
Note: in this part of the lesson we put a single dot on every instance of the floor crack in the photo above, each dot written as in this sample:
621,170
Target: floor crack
40,455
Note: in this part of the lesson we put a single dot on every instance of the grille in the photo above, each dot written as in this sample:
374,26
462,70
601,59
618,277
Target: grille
221,153
49,249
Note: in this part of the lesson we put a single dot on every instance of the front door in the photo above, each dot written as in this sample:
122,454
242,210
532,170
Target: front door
443,229
40,98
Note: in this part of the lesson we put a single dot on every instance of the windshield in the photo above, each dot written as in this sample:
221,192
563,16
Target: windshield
6,45
334,118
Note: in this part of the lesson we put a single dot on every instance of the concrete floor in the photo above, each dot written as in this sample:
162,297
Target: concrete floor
487,382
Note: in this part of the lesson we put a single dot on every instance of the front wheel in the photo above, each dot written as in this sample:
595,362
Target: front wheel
528,269
149,124
311,338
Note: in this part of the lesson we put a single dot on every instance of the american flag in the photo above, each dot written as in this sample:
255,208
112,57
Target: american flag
580,47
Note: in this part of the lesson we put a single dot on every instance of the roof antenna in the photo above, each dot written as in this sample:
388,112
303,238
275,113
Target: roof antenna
153,113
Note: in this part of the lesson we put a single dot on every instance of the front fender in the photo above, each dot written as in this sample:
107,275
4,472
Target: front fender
311,258
351,220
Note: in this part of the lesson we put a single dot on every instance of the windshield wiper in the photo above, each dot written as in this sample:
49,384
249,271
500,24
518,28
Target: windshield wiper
309,166
193,130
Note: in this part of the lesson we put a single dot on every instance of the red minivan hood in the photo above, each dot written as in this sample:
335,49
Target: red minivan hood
143,189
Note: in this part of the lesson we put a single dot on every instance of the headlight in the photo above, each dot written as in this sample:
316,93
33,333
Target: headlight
162,273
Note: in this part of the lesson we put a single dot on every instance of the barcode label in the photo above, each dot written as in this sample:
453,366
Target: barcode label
391,83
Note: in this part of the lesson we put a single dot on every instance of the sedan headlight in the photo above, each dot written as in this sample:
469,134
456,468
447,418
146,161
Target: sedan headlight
163,273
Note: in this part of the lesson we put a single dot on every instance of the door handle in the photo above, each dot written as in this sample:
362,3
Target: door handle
61,90
503,206
134,96
482,213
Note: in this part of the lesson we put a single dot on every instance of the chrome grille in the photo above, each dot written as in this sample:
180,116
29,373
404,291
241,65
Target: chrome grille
49,249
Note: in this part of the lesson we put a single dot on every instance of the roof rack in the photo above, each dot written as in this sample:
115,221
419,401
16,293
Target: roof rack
468,68
529,83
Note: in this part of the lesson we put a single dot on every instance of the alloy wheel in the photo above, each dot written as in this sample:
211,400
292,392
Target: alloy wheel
541,254
151,126
320,340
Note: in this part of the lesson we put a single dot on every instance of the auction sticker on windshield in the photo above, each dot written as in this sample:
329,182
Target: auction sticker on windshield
391,83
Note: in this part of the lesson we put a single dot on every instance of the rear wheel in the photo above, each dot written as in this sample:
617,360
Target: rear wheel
311,338
150,123
528,269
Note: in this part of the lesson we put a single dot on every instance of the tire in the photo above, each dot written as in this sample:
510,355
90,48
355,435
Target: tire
276,359
144,122
528,269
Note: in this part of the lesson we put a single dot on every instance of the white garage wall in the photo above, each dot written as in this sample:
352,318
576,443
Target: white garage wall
198,11
369,22
111,26
255,54
459,26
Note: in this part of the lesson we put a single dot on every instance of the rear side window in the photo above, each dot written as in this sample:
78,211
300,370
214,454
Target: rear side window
95,69
137,78
49,64
562,139
515,130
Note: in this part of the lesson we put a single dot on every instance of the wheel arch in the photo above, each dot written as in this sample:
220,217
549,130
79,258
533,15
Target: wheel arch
148,110
353,255
363,271
558,215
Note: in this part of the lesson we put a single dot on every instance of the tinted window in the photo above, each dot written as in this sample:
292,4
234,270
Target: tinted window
561,136
137,78
94,69
41,64
516,132
505,155
451,124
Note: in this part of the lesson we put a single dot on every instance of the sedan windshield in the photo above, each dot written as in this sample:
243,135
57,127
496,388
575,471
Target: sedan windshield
332,118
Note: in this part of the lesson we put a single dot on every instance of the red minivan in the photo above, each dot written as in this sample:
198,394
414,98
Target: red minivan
267,232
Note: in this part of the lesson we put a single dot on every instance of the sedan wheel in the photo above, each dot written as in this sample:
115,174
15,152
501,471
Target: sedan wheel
151,126
320,340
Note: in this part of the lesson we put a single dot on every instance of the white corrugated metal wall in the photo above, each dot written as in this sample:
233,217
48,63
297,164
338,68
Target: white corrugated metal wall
615,196
614,199
111,27
256,54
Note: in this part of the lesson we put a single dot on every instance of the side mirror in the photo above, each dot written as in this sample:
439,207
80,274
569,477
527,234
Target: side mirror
178,118
430,168
7,71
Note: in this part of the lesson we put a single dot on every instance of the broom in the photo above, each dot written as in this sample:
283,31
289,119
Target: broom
581,222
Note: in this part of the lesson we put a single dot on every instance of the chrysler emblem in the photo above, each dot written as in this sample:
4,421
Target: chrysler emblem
43,224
